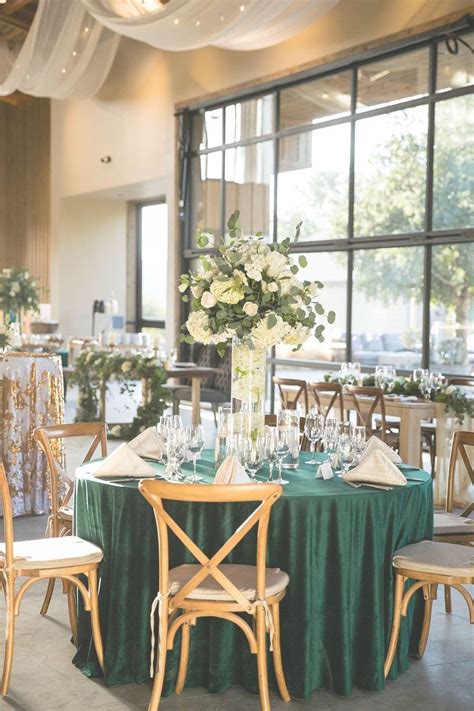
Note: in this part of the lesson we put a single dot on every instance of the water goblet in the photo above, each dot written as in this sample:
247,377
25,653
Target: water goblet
195,442
346,453
253,454
313,429
271,449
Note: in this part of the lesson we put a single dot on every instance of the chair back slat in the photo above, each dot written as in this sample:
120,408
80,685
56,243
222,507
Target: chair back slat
461,440
462,382
271,421
47,437
7,516
291,391
156,492
337,398
360,394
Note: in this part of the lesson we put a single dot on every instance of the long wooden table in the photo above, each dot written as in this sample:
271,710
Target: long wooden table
196,374
410,413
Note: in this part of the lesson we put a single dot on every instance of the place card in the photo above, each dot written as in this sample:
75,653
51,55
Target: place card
324,471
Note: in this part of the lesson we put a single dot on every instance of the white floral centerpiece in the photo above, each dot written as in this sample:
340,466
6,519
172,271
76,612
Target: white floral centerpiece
19,294
249,294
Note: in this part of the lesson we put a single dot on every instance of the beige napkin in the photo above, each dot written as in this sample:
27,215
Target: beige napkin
376,469
231,471
123,462
148,444
374,444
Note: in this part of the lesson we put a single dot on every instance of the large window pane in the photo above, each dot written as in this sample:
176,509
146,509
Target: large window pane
154,263
455,70
313,183
248,119
387,307
404,76
453,188
206,192
208,129
390,173
249,186
313,101
452,308
331,269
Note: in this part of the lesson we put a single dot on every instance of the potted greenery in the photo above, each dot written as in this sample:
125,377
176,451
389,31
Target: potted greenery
19,294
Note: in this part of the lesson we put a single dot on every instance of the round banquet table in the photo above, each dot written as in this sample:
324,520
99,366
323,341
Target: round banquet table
336,543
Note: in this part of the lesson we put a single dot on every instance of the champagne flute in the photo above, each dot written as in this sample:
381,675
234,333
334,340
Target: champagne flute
176,452
283,447
359,435
195,442
271,449
313,429
346,452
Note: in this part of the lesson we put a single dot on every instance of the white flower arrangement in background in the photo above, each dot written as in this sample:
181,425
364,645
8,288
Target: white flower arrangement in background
250,290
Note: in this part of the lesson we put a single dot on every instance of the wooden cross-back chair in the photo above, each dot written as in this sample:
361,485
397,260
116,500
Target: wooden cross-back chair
66,558
366,400
271,421
448,526
212,588
334,391
292,391
60,520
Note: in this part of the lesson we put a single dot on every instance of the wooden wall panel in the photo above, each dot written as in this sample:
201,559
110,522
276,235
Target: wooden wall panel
25,188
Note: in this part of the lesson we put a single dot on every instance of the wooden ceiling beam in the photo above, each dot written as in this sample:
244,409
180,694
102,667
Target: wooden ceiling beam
15,5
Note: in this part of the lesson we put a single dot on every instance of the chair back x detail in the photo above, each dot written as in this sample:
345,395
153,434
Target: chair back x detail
461,440
291,391
334,390
366,399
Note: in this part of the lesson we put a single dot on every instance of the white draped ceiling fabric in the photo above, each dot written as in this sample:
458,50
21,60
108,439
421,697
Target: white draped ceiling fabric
72,44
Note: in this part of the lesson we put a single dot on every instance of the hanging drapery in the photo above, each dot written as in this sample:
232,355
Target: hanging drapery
178,25
66,53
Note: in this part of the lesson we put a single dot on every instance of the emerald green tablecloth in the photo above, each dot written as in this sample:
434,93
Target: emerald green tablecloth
335,542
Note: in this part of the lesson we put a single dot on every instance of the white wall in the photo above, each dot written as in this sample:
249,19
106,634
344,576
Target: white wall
131,119
92,258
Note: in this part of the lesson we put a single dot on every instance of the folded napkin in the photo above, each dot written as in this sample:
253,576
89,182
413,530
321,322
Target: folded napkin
148,444
123,462
374,444
231,471
376,468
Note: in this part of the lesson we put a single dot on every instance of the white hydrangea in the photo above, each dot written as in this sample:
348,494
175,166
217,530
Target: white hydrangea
198,327
265,337
277,265
297,335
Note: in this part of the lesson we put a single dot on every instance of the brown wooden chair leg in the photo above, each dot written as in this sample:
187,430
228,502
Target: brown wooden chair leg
447,599
160,660
48,596
70,591
183,660
95,621
262,660
277,661
10,635
397,604
425,630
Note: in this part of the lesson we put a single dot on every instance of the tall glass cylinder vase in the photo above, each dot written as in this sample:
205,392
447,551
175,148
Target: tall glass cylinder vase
248,388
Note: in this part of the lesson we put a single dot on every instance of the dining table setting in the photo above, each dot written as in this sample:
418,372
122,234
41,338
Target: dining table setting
342,514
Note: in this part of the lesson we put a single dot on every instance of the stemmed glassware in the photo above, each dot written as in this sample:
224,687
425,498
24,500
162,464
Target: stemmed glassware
271,449
359,435
252,452
195,444
313,429
283,447
176,445
346,451
426,385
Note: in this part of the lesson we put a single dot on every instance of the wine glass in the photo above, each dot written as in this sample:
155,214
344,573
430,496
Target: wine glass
252,453
313,429
195,442
426,385
346,452
419,374
330,428
344,429
359,435
271,449
283,447
389,375
380,376
176,451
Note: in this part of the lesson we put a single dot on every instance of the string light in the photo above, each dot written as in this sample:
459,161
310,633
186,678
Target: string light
74,53
242,8
86,29
221,18
63,70
176,22
198,22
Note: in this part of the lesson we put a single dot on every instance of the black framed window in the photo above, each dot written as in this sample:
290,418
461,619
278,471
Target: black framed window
377,159
152,266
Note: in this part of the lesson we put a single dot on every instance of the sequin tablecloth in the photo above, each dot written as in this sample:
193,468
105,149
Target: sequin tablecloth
32,396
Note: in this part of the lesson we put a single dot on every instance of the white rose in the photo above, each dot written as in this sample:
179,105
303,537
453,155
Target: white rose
26,275
450,389
273,286
313,289
250,309
196,291
15,287
208,300
126,367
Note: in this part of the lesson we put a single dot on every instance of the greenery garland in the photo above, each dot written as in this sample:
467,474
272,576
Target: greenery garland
94,370
455,399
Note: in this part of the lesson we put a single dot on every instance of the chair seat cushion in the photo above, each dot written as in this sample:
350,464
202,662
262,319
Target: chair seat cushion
65,552
436,558
244,577
446,523
66,513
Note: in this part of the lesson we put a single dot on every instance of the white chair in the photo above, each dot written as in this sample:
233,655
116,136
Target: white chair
66,558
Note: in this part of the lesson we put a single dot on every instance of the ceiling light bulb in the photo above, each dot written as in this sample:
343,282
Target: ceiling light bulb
86,29
63,70
242,8
74,53
176,22
221,18
198,22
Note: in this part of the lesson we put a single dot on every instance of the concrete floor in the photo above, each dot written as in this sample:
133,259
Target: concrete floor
45,680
